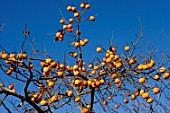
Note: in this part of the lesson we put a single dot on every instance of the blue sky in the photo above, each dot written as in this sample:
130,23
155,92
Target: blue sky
118,16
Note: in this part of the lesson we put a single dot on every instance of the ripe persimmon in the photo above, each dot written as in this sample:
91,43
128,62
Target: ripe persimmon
132,61
140,67
150,100
53,64
48,60
133,97
97,83
156,90
116,106
113,49
76,14
46,69
118,64
92,18
127,93
109,97
156,77
93,72
116,57
102,64
71,20
30,66
24,55
84,83
75,67
104,102
69,8
90,65
62,66
54,98
76,44
126,101
85,110
89,82
75,54
76,72
70,93
69,26
141,80
13,91
69,68
4,55
108,60
77,99
43,63
145,66
82,43
60,73
82,5
64,27
96,67
70,30
166,75
145,95
99,49
19,56
62,21
51,83
86,40
77,82
162,70
11,86
12,55
117,80
8,71
127,48
73,9
141,92
87,5
101,81
43,102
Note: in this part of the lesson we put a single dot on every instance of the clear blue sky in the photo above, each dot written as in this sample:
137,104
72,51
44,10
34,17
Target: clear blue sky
118,16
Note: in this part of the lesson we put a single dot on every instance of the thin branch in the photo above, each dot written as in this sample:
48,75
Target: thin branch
6,107
1,27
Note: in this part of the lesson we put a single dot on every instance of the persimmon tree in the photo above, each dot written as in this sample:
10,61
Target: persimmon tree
131,81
